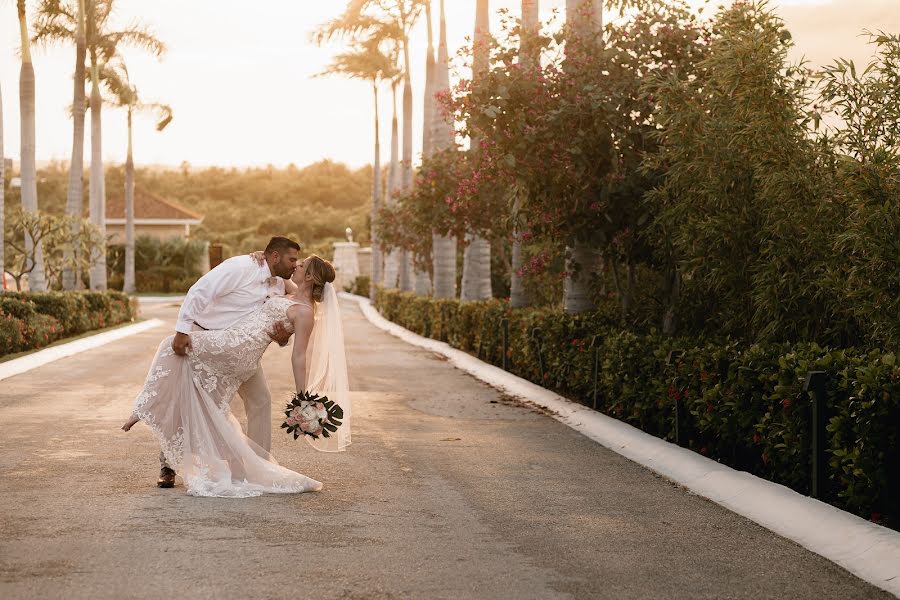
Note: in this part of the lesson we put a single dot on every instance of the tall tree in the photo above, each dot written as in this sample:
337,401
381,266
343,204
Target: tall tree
2,200
443,244
60,23
392,262
585,21
370,61
422,279
28,167
397,17
97,183
126,96
476,279
529,25
53,17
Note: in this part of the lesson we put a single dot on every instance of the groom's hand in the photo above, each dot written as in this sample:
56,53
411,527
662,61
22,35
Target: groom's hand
279,334
181,344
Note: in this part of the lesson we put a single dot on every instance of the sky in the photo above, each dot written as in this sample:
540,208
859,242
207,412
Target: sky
241,78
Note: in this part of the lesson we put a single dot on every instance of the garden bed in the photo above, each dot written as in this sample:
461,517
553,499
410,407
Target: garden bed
29,321
743,404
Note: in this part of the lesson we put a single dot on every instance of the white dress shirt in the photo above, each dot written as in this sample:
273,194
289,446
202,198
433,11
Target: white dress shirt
232,290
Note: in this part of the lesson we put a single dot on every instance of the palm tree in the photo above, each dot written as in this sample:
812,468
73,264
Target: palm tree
60,21
476,279
395,18
422,280
2,199
126,96
530,23
405,13
28,166
369,61
392,261
585,17
49,25
97,183
443,248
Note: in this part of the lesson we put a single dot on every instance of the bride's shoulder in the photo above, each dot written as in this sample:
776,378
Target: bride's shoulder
298,306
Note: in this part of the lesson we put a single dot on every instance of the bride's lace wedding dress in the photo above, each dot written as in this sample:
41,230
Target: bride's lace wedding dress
185,402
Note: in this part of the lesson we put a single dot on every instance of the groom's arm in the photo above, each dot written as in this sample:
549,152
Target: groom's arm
224,278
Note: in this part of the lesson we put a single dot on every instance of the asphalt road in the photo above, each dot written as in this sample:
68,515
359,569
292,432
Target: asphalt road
449,491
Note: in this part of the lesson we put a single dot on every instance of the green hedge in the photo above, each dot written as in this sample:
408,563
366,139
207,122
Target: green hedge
34,320
744,404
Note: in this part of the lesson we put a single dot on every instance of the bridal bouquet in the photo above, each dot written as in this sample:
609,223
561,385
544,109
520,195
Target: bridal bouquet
309,414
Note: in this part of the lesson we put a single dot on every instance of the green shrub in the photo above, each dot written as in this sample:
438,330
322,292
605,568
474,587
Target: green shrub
165,279
12,334
743,404
20,308
359,286
44,317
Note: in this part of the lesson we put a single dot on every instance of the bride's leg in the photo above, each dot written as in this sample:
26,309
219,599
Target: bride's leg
130,423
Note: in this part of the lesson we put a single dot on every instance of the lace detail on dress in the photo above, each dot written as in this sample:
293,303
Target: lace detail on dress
185,403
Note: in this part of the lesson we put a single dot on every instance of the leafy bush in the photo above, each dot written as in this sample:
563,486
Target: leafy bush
36,319
161,266
165,280
12,333
743,404
359,286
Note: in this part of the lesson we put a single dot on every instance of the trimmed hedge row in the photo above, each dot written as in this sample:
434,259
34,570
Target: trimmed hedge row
744,404
34,320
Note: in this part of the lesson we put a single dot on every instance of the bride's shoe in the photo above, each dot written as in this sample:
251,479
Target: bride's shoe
130,423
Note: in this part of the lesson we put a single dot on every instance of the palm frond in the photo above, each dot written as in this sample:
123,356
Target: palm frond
54,22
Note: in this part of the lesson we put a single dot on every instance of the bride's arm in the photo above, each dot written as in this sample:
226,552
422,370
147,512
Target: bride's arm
290,287
303,324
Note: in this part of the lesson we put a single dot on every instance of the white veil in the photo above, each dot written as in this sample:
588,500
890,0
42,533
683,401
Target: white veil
326,370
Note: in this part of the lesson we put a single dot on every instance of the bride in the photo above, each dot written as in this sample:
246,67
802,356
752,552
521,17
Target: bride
185,400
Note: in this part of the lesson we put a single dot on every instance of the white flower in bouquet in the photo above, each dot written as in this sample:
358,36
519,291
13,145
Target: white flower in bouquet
309,413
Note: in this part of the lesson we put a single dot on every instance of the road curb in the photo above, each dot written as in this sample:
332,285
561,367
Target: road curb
17,366
869,551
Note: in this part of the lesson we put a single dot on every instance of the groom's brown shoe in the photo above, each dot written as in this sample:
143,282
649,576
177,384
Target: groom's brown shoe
166,478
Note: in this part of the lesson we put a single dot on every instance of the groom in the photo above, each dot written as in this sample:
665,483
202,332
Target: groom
232,290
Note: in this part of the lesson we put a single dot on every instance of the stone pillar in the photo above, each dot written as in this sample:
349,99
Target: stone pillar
365,262
346,264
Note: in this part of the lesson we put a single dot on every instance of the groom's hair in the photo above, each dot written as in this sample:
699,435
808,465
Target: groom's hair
281,245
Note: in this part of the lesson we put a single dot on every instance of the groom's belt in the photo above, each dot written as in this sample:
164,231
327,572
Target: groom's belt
200,326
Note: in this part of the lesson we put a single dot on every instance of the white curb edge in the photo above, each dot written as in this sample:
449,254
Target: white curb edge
40,358
869,551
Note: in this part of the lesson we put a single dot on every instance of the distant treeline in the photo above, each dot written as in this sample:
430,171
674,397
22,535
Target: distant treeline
243,208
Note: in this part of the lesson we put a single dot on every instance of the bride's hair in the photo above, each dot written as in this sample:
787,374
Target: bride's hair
322,272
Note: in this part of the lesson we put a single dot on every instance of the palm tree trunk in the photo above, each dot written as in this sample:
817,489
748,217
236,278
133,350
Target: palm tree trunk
376,201
406,263
36,278
476,279
129,285
428,101
96,187
443,248
2,201
71,276
585,16
518,297
422,278
392,262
